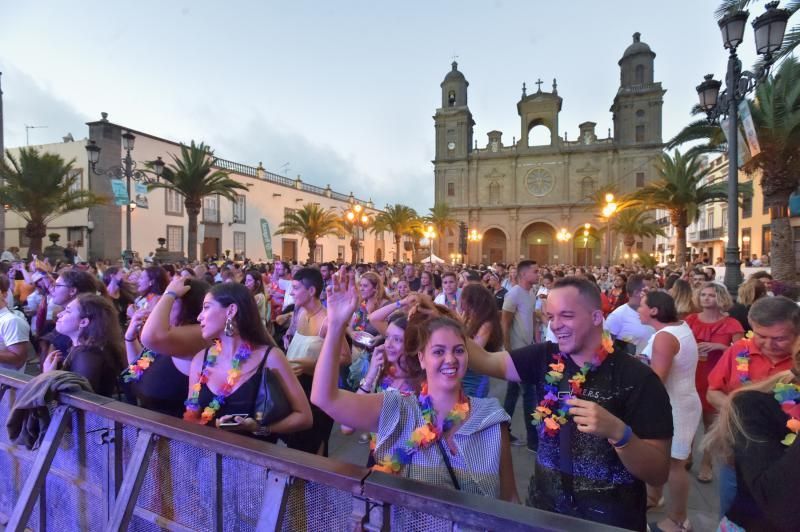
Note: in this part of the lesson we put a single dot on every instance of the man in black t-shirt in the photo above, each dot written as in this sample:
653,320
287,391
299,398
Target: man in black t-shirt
618,430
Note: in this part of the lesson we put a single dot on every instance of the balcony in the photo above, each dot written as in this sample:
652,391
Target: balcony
715,233
663,221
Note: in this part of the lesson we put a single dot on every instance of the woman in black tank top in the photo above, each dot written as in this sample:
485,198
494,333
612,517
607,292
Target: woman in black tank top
224,379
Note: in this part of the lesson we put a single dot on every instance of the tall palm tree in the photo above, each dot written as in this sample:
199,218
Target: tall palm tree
635,222
192,175
38,187
441,218
310,222
401,220
679,192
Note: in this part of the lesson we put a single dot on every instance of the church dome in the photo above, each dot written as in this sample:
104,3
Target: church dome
638,47
454,74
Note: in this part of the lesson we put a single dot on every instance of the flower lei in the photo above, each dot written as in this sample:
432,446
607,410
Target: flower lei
135,370
788,396
743,361
360,317
551,411
426,435
192,412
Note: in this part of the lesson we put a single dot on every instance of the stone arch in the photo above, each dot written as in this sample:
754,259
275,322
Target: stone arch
539,133
538,242
494,246
587,244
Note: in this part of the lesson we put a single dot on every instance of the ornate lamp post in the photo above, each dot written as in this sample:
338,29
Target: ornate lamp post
359,220
769,29
128,170
475,236
586,228
430,234
608,211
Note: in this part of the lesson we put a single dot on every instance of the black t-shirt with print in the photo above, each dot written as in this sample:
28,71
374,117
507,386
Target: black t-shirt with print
603,490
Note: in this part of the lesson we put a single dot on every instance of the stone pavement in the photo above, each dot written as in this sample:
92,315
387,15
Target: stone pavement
703,499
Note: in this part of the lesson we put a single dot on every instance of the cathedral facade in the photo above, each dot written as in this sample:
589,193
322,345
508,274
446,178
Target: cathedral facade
518,196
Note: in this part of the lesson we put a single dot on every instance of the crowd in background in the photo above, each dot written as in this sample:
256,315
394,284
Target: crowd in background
402,356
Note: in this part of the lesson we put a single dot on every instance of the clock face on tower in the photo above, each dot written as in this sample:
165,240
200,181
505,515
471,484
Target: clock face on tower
451,145
539,182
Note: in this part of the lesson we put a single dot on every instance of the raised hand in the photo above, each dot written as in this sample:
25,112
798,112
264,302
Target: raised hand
52,361
342,299
178,285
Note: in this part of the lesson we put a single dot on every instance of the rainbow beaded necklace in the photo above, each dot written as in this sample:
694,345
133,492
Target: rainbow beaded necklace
788,396
135,370
552,412
192,412
426,435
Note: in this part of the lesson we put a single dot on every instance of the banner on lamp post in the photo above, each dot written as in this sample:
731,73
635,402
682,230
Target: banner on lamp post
267,237
743,151
749,128
140,195
120,192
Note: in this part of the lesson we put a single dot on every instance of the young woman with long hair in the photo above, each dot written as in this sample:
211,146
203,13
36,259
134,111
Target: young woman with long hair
714,331
482,324
252,281
415,435
681,292
150,284
92,325
224,379
121,292
749,291
672,352
427,284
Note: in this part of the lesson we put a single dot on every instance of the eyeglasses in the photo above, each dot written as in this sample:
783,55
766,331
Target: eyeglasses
61,285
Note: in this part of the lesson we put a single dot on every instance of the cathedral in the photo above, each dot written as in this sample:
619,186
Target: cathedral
519,196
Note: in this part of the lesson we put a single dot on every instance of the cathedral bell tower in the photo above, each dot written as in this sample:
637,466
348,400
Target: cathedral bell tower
637,105
454,123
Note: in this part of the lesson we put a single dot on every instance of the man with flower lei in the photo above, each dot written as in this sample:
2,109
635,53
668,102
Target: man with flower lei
764,352
604,421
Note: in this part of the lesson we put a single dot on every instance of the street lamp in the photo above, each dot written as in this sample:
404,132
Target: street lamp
475,236
358,219
430,234
586,228
128,170
608,211
769,29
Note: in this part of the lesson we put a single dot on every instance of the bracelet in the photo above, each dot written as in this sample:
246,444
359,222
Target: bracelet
398,304
364,389
171,293
626,439
130,339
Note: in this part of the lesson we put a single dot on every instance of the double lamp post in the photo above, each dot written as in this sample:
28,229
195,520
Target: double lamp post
769,29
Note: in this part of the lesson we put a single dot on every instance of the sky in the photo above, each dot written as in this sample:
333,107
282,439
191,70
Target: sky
341,93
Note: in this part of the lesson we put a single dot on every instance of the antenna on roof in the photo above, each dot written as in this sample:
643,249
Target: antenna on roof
27,133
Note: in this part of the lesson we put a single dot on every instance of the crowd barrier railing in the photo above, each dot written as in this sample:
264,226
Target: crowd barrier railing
107,465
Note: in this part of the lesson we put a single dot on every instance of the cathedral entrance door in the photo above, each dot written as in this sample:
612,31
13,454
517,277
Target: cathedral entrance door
539,252
583,256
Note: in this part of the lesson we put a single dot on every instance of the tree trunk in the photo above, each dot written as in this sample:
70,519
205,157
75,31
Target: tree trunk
353,250
680,245
397,239
312,248
193,211
782,255
35,230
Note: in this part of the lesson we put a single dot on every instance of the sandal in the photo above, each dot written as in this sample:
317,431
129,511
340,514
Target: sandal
686,526
653,504
704,477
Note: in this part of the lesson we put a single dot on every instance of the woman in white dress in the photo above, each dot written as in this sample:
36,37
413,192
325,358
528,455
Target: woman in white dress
672,352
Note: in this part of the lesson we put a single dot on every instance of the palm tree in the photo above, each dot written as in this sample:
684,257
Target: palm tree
310,222
635,222
679,192
401,220
442,220
38,187
193,177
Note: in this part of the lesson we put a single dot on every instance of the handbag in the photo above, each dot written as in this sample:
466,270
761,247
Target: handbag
271,402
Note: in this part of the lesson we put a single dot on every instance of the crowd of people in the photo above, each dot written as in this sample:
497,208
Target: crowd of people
402,355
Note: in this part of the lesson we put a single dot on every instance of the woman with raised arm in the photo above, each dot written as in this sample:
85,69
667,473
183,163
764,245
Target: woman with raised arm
224,379
160,381
482,324
436,437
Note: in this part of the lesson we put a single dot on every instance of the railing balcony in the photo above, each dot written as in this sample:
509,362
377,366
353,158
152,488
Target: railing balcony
711,234
663,221
210,215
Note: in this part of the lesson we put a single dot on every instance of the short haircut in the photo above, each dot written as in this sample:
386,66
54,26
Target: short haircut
310,277
761,275
634,283
664,304
450,274
587,289
524,265
81,281
547,276
769,311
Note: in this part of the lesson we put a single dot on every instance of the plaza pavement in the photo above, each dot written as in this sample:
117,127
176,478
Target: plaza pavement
703,499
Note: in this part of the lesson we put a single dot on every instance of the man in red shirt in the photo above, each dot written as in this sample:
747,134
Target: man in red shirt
776,330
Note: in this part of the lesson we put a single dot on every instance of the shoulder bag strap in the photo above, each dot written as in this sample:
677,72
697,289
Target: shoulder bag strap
446,459
565,451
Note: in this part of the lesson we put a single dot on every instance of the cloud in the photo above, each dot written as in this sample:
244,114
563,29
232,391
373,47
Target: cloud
25,102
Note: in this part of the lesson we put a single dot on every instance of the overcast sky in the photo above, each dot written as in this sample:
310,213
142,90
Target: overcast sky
342,91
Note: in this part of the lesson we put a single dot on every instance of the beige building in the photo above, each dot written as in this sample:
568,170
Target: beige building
519,195
99,232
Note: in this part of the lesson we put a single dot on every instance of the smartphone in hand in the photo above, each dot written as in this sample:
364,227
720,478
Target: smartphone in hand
232,423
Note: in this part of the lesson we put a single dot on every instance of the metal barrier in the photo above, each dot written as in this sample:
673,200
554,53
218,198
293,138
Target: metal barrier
107,465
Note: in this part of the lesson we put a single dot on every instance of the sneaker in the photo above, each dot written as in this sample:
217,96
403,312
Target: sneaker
516,442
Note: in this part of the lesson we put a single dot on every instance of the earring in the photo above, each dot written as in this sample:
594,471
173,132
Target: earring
229,326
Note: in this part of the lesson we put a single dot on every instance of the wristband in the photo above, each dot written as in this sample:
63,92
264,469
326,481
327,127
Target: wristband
626,438
171,293
364,389
130,339
398,304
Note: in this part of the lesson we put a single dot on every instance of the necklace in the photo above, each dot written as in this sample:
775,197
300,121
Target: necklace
135,370
788,396
743,364
192,412
551,410
426,435
360,317
309,316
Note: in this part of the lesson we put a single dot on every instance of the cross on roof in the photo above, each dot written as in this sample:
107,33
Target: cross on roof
455,57
539,83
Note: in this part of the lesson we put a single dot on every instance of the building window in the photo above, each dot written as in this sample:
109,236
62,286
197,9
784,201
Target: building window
587,187
340,253
240,209
75,235
24,241
710,219
173,203
764,206
286,212
640,133
766,239
451,189
640,113
318,254
175,238
211,209
451,98
239,243
639,179
379,237
76,185
747,207
746,244
639,74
